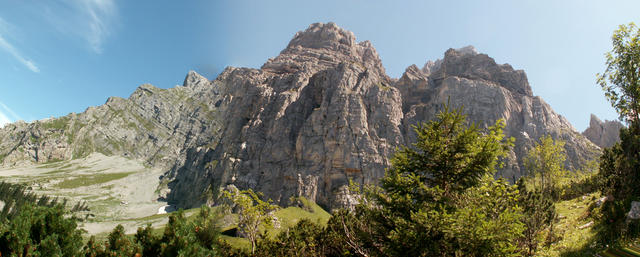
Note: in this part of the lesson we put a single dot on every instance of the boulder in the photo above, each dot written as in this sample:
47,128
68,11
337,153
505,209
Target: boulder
634,212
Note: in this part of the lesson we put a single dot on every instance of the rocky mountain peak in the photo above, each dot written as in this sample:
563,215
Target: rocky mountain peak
322,46
195,80
467,50
414,73
431,66
467,63
603,134
320,35
594,121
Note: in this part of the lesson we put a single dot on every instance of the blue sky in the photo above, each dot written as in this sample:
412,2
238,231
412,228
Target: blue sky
62,56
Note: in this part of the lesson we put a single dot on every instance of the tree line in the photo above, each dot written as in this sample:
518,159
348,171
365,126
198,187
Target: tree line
16,196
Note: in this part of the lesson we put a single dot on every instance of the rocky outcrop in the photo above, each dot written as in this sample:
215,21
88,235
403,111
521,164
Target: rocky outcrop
488,92
603,134
321,113
634,211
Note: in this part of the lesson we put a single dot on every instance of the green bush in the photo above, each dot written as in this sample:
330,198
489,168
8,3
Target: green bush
40,231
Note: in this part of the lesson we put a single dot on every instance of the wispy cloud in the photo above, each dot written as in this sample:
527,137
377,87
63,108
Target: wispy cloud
100,14
7,115
5,27
90,20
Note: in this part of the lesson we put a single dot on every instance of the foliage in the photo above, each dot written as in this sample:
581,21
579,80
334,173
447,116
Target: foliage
450,155
619,164
580,182
539,213
16,196
488,220
56,123
252,212
621,78
40,231
304,239
117,244
545,164
181,237
188,238
438,198
619,178
307,238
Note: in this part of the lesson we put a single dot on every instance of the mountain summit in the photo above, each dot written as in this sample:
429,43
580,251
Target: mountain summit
322,46
321,113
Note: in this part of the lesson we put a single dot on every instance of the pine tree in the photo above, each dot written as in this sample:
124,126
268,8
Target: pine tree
439,197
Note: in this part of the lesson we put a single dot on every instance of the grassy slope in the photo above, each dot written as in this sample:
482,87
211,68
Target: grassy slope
288,217
573,241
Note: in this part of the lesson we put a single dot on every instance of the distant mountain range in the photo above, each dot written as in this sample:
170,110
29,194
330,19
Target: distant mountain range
321,113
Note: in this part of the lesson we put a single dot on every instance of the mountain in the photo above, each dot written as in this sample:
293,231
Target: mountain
153,125
603,134
321,113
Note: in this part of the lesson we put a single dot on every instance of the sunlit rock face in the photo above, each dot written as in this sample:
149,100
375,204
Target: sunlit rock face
321,113
488,91
603,133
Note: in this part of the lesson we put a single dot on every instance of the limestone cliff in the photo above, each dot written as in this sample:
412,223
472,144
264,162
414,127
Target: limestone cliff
603,134
488,92
321,113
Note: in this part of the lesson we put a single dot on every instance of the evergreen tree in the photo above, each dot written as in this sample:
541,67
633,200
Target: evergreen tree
40,231
303,239
198,237
438,198
539,213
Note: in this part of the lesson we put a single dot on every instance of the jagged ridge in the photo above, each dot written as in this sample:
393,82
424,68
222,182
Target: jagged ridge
309,120
603,134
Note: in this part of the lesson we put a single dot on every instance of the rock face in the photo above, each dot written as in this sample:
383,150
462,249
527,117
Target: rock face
488,92
155,125
321,113
603,134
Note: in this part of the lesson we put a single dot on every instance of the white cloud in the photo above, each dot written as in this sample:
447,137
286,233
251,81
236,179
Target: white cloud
5,27
90,20
100,14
